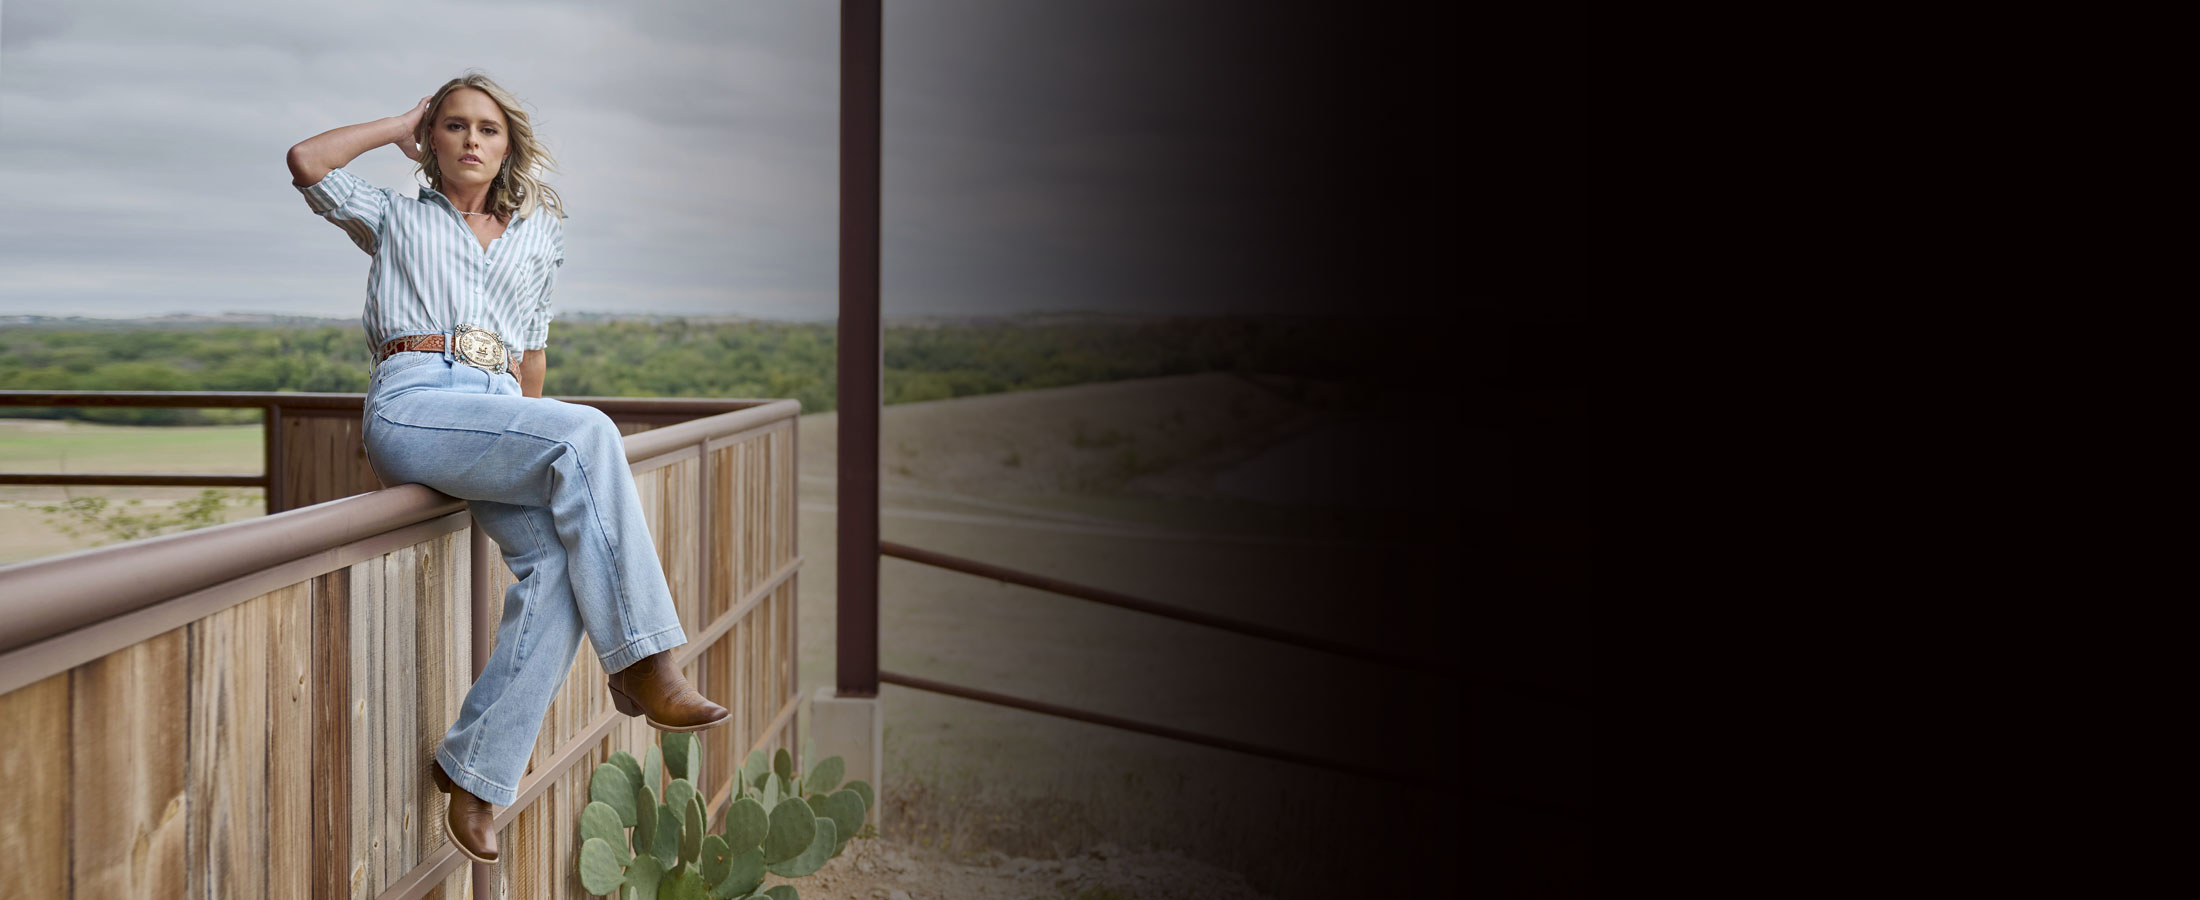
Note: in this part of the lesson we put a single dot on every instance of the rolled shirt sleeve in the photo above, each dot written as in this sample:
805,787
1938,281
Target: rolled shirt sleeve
352,204
538,324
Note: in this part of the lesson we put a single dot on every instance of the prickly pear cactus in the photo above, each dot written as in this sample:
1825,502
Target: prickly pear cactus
646,838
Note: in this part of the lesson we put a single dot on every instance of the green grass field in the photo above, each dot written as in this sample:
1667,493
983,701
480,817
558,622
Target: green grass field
54,445
51,445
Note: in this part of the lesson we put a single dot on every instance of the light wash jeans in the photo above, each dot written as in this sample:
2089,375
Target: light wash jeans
548,481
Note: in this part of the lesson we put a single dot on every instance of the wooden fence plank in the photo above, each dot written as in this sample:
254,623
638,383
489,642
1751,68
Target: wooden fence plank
291,714
34,809
367,601
399,675
431,714
227,778
129,730
332,721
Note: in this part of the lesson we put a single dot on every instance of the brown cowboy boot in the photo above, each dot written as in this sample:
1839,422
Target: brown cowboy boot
468,824
655,688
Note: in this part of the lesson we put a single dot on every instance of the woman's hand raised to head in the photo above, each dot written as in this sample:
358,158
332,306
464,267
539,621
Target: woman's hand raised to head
411,119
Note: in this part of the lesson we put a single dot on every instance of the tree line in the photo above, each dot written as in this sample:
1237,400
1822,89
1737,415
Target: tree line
678,358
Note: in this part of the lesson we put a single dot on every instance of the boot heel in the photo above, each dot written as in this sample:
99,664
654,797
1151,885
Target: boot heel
623,703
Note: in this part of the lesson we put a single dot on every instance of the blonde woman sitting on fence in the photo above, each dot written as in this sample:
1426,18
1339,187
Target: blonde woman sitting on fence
457,318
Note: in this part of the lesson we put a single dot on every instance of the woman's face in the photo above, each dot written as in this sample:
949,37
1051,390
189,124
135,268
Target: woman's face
469,138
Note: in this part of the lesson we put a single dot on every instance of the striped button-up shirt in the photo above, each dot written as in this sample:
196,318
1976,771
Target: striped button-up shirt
430,273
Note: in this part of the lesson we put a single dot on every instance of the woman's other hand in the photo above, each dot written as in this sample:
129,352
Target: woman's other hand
532,366
405,144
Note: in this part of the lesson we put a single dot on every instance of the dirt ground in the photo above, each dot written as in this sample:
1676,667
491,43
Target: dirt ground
55,445
886,869
1139,487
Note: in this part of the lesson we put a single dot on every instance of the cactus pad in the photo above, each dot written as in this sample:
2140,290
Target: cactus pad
826,776
600,822
823,841
794,827
609,785
601,872
746,824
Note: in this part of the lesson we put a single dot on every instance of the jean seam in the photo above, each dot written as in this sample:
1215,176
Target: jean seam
527,597
466,765
611,551
595,512
379,415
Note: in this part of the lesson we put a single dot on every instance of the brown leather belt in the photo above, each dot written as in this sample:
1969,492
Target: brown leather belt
416,342
487,348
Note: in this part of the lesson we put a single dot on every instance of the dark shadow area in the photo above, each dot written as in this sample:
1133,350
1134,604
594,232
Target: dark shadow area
1416,184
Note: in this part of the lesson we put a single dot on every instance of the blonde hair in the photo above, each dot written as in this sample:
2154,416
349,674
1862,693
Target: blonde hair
518,188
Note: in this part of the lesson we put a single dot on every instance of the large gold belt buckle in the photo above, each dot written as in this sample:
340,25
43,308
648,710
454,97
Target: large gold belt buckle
479,347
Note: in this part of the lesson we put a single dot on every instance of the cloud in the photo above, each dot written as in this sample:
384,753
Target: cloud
1038,156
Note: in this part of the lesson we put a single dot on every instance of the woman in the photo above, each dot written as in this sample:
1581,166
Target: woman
457,316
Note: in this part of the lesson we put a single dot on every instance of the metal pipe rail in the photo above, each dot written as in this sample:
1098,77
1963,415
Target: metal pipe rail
1086,715
1236,626
1126,601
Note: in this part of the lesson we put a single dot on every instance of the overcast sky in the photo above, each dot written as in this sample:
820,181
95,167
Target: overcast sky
1039,155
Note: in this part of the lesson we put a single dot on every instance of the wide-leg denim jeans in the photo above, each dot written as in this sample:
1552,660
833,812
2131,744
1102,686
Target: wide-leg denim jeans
548,481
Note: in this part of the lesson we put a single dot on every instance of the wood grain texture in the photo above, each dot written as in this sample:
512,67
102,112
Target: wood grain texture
571,796
458,668
718,685
522,859
682,534
332,724
364,879
744,533
436,596
290,720
324,475
402,773
34,765
227,774
323,458
459,627
723,589
129,736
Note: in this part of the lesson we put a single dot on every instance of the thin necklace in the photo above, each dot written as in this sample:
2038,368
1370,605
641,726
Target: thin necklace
461,211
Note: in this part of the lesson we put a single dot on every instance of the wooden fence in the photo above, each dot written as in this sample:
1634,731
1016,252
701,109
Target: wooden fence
261,725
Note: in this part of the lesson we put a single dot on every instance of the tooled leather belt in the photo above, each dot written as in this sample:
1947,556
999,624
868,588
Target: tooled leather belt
477,347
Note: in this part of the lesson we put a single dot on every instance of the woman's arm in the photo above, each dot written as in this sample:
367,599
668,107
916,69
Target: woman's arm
530,370
313,158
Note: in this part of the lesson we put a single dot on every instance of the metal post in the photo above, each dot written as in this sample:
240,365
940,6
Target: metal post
861,386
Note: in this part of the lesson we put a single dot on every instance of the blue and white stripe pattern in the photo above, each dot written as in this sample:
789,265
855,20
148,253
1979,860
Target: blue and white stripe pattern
430,273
